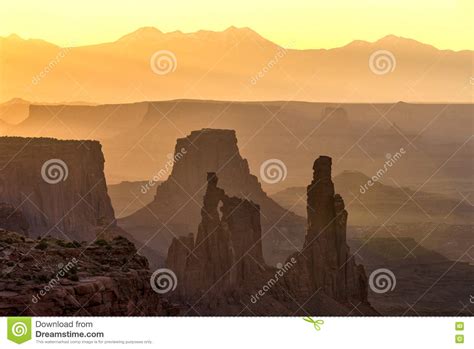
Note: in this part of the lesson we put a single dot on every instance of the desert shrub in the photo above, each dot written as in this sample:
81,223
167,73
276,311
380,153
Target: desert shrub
101,242
42,245
61,243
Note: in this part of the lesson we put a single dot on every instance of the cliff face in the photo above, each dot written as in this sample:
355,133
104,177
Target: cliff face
52,277
12,219
176,208
59,186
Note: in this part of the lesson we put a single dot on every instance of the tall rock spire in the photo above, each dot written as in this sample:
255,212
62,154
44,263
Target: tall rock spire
330,265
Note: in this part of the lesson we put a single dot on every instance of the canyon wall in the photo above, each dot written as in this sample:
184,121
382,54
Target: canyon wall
13,219
59,186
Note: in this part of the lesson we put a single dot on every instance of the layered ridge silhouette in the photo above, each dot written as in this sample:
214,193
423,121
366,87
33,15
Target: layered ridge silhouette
235,64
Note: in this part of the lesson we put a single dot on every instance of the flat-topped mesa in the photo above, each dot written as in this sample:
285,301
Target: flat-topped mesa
210,150
58,185
329,263
227,252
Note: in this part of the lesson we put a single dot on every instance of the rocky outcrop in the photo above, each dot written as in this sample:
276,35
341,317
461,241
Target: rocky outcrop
59,186
227,253
12,219
176,209
52,277
222,271
328,264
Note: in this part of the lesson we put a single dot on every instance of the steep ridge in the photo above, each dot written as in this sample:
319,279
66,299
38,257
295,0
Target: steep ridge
59,186
176,208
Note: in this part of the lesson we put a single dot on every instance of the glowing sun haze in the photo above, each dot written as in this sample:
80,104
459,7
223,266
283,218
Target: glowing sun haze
446,24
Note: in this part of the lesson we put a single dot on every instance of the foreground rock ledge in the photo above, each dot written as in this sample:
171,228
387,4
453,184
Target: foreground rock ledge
53,277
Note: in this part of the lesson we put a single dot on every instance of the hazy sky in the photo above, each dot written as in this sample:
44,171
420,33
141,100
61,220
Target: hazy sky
293,23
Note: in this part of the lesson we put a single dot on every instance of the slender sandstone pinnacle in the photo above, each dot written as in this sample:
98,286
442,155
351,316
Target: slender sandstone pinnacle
330,265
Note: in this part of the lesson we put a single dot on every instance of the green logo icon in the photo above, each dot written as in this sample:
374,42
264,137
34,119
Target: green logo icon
19,329
316,323
459,338
459,326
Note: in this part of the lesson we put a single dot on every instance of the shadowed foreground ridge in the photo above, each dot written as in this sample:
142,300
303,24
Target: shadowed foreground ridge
51,277
222,271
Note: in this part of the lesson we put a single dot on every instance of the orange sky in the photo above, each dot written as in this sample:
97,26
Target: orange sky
446,24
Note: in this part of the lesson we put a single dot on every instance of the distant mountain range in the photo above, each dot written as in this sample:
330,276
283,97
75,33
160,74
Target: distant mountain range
13,112
235,64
